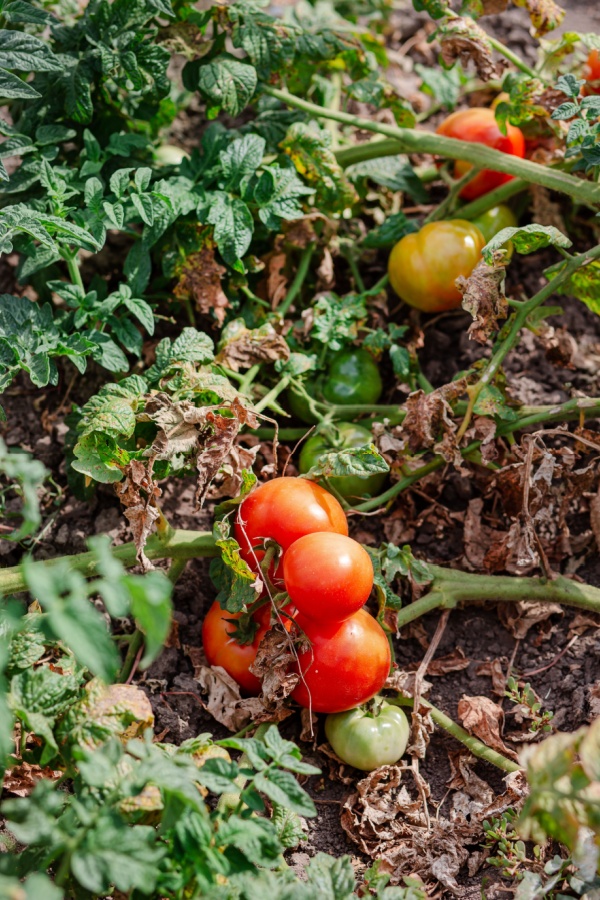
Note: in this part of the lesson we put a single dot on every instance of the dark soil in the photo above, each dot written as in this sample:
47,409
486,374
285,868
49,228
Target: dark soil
563,680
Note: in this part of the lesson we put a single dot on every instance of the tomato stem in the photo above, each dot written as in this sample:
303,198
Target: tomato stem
296,285
492,198
447,206
477,747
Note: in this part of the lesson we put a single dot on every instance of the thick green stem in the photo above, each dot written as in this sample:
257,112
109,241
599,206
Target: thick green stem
451,587
296,285
179,544
493,198
410,140
510,56
477,748
73,267
273,394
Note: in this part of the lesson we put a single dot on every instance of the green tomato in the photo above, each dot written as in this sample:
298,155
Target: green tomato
353,377
349,486
494,220
368,740
169,155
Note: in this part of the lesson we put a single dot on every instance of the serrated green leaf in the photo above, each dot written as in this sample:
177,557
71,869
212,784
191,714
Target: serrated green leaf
233,225
227,83
394,172
310,151
361,461
525,239
14,88
281,787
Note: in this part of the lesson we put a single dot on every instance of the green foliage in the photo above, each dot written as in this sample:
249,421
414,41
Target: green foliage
24,476
582,115
361,461
540,718
525,239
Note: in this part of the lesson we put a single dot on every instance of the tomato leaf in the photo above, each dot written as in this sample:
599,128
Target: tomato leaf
526,239
361,461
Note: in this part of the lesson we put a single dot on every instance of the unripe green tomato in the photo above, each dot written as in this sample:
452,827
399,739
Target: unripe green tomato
298,405
169,155
494,220
349,486
366,740
353,377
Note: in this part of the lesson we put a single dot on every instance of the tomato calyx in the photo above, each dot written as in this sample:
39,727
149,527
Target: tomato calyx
244,628
373,707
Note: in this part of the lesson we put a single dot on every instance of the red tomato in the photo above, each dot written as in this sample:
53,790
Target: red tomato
591,73
285,509
328,576
222,649
478,125
346,664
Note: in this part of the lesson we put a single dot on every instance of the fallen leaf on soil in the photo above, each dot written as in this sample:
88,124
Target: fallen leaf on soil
582,622
496,670
200,281
20,780
404,683
483,718
271,666
225,703
464,40
455,661
483,297
421,731
519,617
473,794
593,696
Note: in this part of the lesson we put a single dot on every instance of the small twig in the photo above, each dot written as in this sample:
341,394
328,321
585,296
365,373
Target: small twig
556,659
136,663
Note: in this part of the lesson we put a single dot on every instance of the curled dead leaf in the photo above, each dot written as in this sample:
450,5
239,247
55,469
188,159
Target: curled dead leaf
139,492
20,780
519,617
200,281
245,347
462,39
224,701
496,670
545,15
483,298
483,718
272,666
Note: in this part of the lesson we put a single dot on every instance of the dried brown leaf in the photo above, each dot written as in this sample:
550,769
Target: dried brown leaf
272,666
225,703
200,281
246,347
455,661
21,779
426,416
496,670
484,299
595,517
138,492
404,683
483,718
593,697
519,617
464,40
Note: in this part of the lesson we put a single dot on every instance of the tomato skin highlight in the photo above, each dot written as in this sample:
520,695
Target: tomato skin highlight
347,663
222,649
328,576
367,741
285,509
424,266
478,125
348,486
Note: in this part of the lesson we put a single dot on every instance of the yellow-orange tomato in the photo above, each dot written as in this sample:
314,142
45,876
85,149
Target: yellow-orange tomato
424,266
478,125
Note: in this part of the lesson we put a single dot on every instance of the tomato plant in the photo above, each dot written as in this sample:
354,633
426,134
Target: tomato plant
345,665
424,266
479,125
284,510
328,576
368,737
348,435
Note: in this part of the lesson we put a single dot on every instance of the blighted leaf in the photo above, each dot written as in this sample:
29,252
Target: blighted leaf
484,299
310,151
484,718
361,461
583,283
545,15
273,666
462,39
122,709
225,704
241,347
526,239
200,281
139,493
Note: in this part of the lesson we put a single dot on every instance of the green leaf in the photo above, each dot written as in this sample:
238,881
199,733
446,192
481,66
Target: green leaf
233,226
13,88
332,878
23,12
281,787
26,53
112,853
227,84
71,617
584,283
361,461
234,584
78,97
278,193
336,319
288,826
43,691
390,232
142,311
393,172
36,886
444,85
525,239
29,474
107,353
47,135
99,457
241,159
152,609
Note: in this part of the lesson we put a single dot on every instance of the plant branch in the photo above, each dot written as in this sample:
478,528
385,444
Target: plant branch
73,267
492,198
296,285
410,140
477,747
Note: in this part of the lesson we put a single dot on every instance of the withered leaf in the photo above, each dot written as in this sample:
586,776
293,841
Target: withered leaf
200,281
496,670
225,704
21,779
483,718
244,347
138,492
519,617
426,416
545,15
462,39
483,298
455,661
272,666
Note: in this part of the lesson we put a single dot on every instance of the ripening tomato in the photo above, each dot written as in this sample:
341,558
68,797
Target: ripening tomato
328,576
223,650
285,509
346,664
424,266
591,73
368,739
478,125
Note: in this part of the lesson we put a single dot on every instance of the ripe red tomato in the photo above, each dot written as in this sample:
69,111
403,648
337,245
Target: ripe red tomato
285,509
328,576
591,73
222,649
478,125
346,664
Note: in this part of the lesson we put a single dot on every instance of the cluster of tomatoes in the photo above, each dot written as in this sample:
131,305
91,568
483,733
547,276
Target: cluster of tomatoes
343,657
